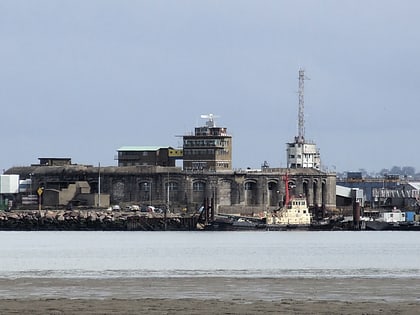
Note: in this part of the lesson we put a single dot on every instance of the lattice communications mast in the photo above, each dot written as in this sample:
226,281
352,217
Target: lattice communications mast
301,153
301,116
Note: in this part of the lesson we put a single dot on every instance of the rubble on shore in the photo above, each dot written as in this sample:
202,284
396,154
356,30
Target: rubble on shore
75,220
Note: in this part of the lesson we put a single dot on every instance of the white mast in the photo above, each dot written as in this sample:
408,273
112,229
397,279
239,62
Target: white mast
99,184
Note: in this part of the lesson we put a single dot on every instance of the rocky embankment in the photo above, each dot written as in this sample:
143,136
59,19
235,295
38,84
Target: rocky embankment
95,220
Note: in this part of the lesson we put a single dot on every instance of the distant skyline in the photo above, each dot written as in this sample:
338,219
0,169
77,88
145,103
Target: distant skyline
80,79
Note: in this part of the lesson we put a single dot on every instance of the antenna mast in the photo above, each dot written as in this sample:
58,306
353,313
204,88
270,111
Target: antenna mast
210,122
301,122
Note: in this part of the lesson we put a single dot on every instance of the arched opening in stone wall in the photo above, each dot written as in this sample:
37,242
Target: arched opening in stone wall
224,193
199,191
305,189
250,189
171,193
292,190
315,193
146,192
94,186
118,193
273,193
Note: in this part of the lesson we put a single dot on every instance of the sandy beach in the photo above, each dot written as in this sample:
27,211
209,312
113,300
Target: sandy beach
209,296
196,306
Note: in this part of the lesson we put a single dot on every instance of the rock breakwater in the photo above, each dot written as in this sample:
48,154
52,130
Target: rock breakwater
95,220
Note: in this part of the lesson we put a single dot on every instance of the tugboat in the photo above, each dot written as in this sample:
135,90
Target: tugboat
294,215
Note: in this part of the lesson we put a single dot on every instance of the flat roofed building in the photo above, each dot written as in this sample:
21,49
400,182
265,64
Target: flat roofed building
54,161
210,148
303,155
145,155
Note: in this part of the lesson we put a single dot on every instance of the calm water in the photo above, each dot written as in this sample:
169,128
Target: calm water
103,255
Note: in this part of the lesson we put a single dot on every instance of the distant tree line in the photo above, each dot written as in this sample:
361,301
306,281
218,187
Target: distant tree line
402,171
398,170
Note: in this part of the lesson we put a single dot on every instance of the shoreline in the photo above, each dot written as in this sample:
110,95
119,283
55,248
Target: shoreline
221,288
210,295
203,307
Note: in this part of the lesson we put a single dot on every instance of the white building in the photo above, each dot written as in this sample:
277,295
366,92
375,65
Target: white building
303,155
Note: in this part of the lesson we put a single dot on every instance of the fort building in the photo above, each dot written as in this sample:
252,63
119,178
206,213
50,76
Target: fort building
237,191
148,176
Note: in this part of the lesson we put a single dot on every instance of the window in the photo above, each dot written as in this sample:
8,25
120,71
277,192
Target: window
173,186
249,186
145,186
199,186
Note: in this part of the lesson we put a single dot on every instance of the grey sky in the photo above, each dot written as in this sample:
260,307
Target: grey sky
82,78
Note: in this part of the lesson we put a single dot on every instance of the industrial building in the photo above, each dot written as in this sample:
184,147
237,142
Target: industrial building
389,191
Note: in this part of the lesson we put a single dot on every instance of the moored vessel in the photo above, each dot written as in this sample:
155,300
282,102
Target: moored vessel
295,213
386,220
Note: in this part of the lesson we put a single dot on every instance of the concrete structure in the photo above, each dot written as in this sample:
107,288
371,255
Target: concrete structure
239,191
146,155
51,161
209,149
303,155
76,194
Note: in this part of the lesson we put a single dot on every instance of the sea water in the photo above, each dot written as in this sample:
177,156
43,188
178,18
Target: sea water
305,254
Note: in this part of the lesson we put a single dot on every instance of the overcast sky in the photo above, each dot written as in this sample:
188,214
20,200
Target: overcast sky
80,79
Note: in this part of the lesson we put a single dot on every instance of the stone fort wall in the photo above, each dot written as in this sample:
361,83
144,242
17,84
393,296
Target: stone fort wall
240,191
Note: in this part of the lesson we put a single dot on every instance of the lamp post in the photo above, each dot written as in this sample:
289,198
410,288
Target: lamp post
150,192
99,185
165,213
30,183
148,187
167,194
213,183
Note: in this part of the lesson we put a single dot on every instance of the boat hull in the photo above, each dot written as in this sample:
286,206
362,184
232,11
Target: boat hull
287,227
378,225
